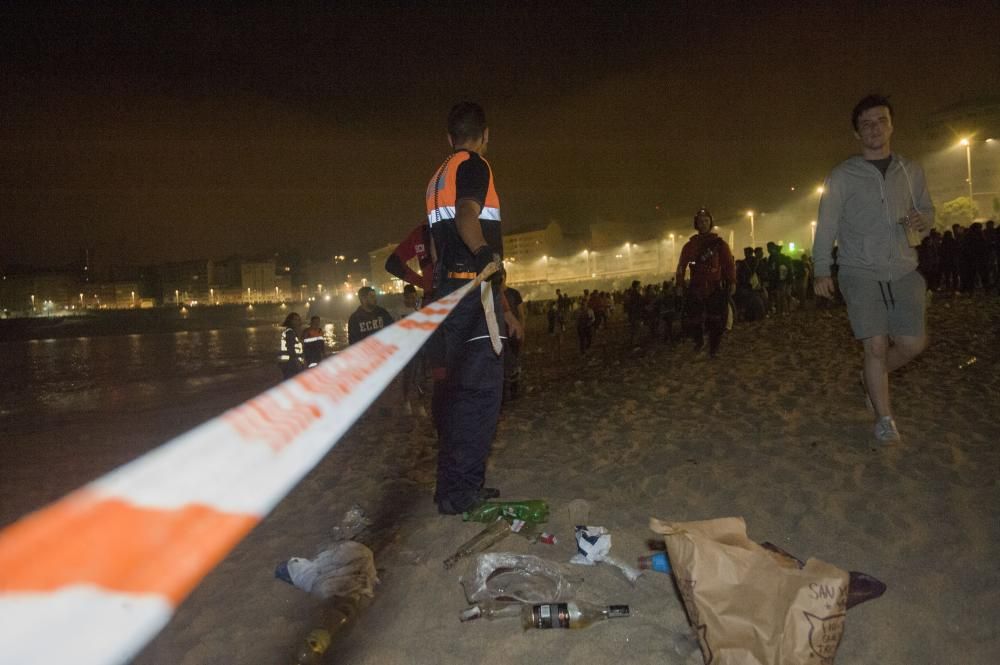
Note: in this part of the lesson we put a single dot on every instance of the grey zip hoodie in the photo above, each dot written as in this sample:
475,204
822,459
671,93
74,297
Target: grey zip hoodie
861,211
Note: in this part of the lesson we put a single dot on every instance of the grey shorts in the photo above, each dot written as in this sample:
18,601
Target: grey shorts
886,308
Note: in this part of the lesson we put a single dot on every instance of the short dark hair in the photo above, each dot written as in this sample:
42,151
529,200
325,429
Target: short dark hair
409,288
871,101
365,289
466,122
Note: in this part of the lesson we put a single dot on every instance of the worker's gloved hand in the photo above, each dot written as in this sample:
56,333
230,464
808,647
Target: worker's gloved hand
485,256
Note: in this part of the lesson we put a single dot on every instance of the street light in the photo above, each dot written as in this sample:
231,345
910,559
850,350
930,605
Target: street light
820,190
753,238
968,162
812,228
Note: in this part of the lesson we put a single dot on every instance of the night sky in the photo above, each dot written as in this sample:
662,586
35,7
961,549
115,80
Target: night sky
156,134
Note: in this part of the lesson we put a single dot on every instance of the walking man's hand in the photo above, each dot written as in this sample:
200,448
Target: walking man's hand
918,221
823,287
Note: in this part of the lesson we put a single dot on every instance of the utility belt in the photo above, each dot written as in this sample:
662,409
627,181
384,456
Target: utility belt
461,275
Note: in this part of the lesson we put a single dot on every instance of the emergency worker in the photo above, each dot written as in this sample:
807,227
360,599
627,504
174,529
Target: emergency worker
463,212
713,281
290,348
313,343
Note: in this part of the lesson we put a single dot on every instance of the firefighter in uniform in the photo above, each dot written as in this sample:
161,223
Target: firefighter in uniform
463,212
290,353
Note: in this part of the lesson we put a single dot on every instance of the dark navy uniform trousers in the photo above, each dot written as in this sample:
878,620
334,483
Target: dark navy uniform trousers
467,401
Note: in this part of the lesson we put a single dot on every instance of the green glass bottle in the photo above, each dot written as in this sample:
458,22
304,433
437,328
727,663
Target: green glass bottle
530,510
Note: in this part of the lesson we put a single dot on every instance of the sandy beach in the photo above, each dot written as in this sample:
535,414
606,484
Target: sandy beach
774,430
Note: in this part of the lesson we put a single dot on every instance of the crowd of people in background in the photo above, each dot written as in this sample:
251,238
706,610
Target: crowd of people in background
769,283
961,259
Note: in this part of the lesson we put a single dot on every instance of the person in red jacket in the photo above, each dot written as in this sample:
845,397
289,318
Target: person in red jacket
416,245
713,279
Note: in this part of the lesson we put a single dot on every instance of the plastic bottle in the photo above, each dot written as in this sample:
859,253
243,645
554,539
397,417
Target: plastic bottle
316,644
571,615
531,510
658,562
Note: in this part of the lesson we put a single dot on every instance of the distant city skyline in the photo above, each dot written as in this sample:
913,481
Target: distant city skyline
158,134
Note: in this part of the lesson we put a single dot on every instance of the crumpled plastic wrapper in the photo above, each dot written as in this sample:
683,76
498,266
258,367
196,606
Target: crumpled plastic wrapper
524,578
593,545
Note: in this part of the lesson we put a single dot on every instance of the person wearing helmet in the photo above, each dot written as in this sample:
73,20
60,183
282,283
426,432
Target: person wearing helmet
712,281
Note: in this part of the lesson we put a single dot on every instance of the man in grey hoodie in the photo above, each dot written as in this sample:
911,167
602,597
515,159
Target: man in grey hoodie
871,203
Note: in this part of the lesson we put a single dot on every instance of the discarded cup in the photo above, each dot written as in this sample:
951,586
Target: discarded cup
913,236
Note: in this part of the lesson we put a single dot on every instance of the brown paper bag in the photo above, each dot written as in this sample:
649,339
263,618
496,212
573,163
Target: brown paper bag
749,606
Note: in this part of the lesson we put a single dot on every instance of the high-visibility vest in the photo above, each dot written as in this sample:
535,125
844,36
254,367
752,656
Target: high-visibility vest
441,201
312,346
289,350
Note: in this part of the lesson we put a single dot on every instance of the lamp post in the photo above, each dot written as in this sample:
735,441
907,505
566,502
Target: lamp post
753,238
812,229
968,163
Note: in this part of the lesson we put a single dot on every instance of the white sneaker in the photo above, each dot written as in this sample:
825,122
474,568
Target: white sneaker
885,430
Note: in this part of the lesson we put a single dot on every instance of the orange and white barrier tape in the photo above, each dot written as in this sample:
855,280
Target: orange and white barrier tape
104,568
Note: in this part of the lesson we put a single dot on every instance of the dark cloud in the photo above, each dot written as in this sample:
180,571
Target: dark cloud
195,130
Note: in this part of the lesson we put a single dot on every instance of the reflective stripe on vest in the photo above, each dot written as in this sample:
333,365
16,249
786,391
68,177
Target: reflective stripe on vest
442,192
284,344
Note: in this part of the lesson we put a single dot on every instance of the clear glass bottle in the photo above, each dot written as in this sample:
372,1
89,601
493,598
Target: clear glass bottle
491,610
574,614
